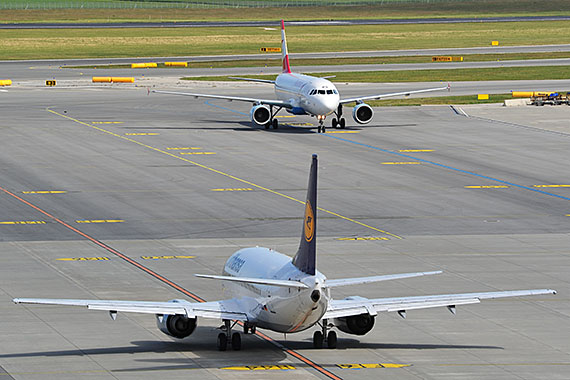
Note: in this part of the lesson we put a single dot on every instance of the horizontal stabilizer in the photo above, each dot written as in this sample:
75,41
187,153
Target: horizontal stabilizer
260,281
366,280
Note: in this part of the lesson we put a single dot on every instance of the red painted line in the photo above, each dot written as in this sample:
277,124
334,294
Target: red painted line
295,354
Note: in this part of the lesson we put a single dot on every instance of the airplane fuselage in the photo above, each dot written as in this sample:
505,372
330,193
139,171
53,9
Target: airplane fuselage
307,94
280,309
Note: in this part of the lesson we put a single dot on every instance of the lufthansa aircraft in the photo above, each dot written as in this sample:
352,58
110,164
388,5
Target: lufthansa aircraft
273,291
304,95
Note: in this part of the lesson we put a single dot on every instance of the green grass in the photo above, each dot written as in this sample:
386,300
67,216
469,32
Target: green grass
474,8
108,43
276,62
440,100
449,75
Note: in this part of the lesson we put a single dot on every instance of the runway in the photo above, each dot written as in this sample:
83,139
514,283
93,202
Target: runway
99,181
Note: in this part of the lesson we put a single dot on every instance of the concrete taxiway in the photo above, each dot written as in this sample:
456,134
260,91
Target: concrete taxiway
107,192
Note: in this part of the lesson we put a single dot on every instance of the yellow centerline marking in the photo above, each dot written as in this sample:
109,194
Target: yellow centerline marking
415,150
184,148
197,153
400,163
223,173
100,221
25,222
363,238
166,257
45,192
551,185
84,259
487,187
140,134
234,189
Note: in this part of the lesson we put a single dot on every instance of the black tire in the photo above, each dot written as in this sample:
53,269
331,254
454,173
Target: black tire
334,123
318,339
252,328
267,125
236,341
275,123
342,123
331,339
245,328
222,342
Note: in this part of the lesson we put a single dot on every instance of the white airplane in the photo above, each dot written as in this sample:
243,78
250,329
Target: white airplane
304,95
273,291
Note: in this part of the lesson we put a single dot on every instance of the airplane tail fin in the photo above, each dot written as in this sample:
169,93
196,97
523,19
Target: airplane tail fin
306,257
284,52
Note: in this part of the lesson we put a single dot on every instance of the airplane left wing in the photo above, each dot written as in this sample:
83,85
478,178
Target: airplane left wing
381,96
269,102
226,309
359,305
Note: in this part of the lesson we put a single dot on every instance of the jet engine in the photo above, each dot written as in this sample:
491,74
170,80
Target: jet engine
260,114
178,326
362,113
355,324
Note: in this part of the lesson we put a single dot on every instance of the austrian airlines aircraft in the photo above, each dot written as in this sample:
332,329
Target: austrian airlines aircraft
304,95
273,291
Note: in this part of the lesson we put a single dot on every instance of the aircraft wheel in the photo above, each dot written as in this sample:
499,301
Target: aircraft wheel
252,329
267,125
222,342
245,328
331,339
342,123
334,122
236,341
318,339
275,123
323,130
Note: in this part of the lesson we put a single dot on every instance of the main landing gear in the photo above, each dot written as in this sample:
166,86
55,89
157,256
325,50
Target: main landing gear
320,337
226,338
340,123
273,122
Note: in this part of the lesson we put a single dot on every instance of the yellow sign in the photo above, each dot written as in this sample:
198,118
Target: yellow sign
309,222
446,59
482,96
84,259
495,43
50,83
270,50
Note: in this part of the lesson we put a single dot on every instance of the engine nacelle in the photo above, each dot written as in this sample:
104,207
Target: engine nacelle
362,113
355,324
260,114
177,326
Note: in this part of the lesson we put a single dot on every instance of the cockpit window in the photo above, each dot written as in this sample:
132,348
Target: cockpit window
321,92
335,91
330,92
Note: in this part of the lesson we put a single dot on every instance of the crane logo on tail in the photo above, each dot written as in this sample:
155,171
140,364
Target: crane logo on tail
309,222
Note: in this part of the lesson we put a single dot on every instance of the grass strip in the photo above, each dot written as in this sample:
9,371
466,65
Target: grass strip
446,75
276,62
476,8
171,42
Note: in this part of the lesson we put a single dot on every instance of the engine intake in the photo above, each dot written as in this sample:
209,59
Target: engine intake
362,113
355,324
260,114
178,326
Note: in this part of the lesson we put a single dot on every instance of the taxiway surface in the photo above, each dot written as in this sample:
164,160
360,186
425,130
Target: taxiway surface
97,182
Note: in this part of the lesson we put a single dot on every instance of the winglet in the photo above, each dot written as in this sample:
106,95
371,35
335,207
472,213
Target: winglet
284,53
306,257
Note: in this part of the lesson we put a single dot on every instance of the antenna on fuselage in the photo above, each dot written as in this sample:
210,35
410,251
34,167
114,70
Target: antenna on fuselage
306,257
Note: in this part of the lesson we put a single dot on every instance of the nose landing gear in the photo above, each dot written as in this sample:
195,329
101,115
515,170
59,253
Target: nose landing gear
321,127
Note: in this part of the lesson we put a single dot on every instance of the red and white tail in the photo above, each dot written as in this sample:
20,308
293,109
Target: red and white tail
284,53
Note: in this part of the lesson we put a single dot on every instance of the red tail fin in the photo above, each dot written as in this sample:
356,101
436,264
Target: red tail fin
284,52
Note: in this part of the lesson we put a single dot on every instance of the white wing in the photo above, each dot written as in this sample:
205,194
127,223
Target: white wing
381,96
367,280
360,305
261,281
269,102
226,309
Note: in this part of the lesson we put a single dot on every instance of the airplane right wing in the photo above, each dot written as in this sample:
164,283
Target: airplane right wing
360,305
381,96
367,280
269,102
